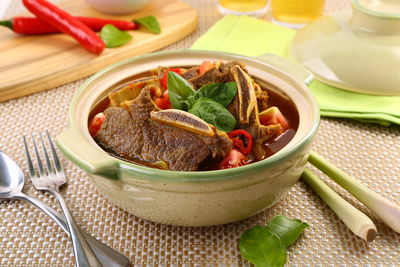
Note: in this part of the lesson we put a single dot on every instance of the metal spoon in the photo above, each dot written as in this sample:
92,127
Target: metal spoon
11,184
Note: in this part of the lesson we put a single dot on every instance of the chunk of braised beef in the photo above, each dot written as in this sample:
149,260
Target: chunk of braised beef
262,97
133,135
191,73
217,74
159,71
245,108
224,68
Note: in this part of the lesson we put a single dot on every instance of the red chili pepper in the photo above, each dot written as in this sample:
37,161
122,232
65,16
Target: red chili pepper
66,23
164,79
237,142
33,26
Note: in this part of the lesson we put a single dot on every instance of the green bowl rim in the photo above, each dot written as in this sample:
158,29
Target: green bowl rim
357,4
200,176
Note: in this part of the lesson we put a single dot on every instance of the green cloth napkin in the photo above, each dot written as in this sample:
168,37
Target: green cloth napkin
254,37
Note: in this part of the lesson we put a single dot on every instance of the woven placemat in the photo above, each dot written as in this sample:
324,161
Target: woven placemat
369,152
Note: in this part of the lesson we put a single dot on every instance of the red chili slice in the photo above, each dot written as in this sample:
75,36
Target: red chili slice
239,138
164,79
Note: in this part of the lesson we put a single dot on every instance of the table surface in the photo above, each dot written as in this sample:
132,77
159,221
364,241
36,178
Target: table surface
369,152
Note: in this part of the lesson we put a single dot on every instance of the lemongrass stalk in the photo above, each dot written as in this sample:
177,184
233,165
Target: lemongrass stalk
359,223
384,208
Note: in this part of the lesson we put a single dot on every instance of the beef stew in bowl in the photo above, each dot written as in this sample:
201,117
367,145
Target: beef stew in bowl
194,118
209,195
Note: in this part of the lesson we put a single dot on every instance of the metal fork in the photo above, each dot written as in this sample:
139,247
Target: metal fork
50,179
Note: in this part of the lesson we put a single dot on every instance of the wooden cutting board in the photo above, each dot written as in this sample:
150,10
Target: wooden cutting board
30,64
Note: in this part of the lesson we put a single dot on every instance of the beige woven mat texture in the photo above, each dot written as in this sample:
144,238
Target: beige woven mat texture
29,238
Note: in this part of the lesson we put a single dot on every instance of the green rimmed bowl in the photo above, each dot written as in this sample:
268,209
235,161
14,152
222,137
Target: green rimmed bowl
200,198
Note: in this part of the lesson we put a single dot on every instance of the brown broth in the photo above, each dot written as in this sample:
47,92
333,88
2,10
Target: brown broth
272,146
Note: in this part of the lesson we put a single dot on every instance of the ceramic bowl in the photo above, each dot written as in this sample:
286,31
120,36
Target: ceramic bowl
356,50
117,6
199,198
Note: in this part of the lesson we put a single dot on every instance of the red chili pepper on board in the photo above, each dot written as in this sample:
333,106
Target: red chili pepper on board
33,26
237,142
66,23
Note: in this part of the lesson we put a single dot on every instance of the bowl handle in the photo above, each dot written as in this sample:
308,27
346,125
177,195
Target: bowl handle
73,145
295,70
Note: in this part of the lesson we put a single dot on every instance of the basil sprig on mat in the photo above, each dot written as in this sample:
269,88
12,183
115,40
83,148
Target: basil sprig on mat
114,37
208,103
150,23
265,246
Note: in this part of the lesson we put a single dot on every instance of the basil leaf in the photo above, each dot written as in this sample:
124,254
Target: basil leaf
263,245
262,248
213,113
288,230
150,23
114,37
191,100
222,93
179,90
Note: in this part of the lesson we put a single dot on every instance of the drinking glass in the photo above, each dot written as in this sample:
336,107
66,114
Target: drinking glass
295,13
255,8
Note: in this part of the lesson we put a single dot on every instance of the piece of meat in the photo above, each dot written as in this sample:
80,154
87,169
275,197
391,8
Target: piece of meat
217,74
131,90
132,134
159,71
224,68
213,75
245,109
191,73
260,134
262,97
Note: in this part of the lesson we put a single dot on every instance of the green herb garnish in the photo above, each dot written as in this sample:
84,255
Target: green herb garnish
266,245
114,37
150,23
179,90
288,230
208,103
213,113
222,93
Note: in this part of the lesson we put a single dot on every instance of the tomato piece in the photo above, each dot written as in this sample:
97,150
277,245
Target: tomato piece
205,66
273,116
96,122
165,95
164,78
239,138
163,102
232,160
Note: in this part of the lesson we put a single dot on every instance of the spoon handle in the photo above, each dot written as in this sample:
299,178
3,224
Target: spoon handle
106,255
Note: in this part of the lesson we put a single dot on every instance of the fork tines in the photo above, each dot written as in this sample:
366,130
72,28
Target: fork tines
54,168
